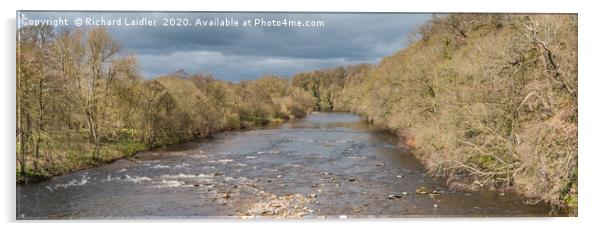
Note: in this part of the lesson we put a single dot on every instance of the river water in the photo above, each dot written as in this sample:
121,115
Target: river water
328,165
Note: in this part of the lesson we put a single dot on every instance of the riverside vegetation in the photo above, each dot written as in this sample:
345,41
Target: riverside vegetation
488,101
79,104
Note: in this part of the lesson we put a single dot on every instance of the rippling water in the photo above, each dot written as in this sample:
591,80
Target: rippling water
339,165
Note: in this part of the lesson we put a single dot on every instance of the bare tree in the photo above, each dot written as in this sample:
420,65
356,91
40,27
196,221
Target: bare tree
101,48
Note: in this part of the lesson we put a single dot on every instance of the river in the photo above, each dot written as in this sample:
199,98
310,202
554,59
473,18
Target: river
327,165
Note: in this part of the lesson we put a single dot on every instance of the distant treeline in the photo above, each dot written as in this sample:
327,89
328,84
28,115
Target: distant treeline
486,100
79,103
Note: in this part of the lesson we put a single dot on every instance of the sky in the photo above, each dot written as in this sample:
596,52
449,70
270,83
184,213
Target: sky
236,53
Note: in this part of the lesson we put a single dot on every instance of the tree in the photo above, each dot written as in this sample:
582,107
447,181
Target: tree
100,48
32,74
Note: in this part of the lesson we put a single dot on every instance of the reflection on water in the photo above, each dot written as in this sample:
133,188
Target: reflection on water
328,164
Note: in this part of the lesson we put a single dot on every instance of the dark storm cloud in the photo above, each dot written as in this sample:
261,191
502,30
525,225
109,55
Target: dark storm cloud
237,53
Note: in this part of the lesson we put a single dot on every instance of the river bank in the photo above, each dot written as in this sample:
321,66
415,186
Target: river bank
126,147
327,165
482,98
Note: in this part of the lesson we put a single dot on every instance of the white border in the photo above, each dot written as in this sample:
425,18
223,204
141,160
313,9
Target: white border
589,111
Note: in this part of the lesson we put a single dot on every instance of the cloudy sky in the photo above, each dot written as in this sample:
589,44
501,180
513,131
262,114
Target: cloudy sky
239,53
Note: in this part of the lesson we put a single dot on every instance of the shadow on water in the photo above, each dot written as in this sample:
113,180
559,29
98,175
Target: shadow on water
326,165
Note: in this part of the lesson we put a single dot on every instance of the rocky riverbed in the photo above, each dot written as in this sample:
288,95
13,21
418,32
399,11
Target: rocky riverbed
328,165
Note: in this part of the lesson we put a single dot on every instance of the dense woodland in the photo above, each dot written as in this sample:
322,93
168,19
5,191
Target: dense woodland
487,101
80,104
